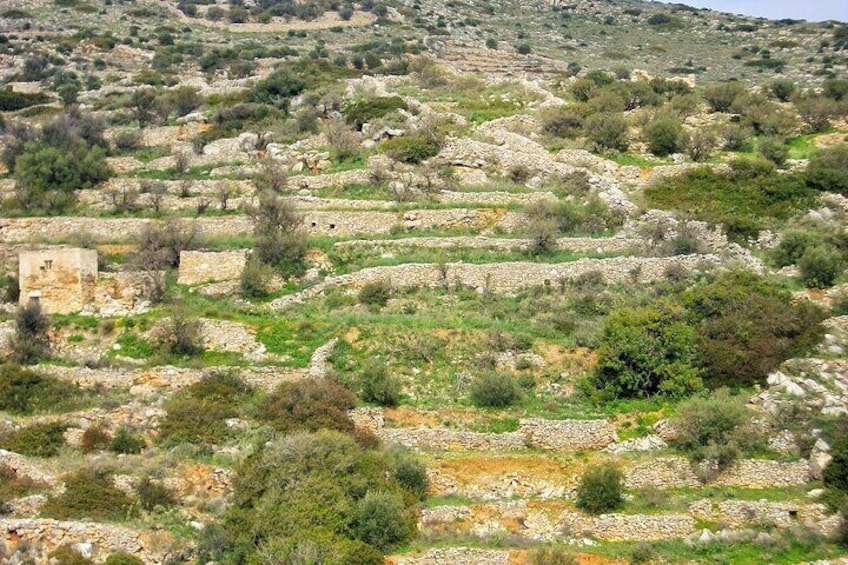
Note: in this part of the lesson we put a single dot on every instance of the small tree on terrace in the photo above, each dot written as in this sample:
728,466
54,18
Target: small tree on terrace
280,241
29,342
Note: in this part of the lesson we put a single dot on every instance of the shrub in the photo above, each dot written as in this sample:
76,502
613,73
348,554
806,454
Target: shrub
744,328
828,169
11,101
23,391
255,278
606,131
280,241
716,429
126,442
646,352
412,149
195,420
95,439
664,135
600,489
375,293
552,556
774,150
562,121
309,405
495,390
316,494
782,89
278,89
366,110
379,387
820,266
67,555
835,475
89,495
152,494
29,343
181,335
792,246
409,471
720,97
36,440
123,559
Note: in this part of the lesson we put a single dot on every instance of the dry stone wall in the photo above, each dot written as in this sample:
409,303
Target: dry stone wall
98,540
199,267
617,244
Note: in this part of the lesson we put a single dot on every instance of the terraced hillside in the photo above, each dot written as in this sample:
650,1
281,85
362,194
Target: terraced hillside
280,287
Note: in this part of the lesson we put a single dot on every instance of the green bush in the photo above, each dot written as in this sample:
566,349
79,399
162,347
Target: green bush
372,108
23,391
745,328
255,278
123,559
835,475
46,177
600,489
280,241
495,390
11,101
67,555
792,246
664,135
89,495
382,520
828,169
309,405
409,471
376,293
126,442
820,266
36,440
412,149
30,342
278,89
379,387
775,150
195,420
720,97
316,494
606,131
716,429
181,335
562,121
646,352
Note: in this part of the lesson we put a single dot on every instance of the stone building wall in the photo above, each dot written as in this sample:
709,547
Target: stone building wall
63,280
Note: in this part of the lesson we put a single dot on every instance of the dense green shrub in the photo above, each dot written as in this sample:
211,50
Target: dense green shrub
412,149
11,101
316,494
773,149
828,169
792,246
180,336
23,391
820,265
743,199
375,293
123,559
36,440
379,387
309,405
562,121
600,489
664,135
645,352
745,328
720,97
255,279
409,471
495,390
280,241
716,429
89,495
278,89
30,342
606,131
126,442
369,109
835,475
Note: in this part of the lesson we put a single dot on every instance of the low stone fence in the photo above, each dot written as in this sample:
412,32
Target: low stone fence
454,556
615,244
97,539
636,527
555,435
319,222
677,472
150,381
510,277
748,513
199,267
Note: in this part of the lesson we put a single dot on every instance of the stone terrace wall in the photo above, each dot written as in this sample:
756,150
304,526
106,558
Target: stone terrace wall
454,556
338,223
677,472
198,267
617,244
509,277
104,538
532,432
